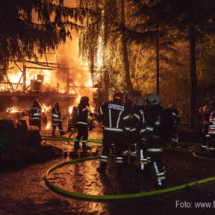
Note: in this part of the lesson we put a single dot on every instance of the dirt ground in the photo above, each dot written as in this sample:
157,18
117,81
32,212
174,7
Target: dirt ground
24,191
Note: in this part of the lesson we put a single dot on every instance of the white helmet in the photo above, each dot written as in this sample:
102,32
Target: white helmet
139,101
129,96
153,99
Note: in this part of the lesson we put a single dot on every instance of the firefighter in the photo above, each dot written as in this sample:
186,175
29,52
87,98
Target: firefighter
130,138
35,111
151,136
82,123
211,132
206,110
56,120
115,121
102,117
176,122
139,124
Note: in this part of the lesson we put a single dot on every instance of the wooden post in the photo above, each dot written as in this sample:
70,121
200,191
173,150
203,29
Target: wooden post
24,77
67,89
58,87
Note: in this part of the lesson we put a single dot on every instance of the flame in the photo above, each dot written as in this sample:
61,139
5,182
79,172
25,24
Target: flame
92,109
13,109
88,80
48,125
45,108
70,109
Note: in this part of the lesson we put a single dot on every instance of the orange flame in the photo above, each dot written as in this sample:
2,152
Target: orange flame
13,109
45,108
48,125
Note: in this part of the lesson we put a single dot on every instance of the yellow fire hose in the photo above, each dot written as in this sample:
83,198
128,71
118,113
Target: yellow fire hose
124,196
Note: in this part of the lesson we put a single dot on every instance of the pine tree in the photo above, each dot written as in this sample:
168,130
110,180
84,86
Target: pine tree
29,24
188,19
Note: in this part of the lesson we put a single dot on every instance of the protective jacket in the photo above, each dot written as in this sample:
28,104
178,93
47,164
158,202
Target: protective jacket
82,122
116,122
206,136
116,119
211,132
154,118
82,115
35,110
139,119
129,111
56,116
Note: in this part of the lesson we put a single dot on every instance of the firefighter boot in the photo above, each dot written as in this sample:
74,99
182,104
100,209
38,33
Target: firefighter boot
76,145
85,146
62,133
101,169
161,185
53,134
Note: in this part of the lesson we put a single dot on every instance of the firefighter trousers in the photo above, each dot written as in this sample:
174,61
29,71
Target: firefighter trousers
206,137
144,159
154,151
36,123
110,137
130,144
82,133
59,125
211,144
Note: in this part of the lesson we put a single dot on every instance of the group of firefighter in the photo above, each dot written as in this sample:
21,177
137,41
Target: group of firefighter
130,126
35,114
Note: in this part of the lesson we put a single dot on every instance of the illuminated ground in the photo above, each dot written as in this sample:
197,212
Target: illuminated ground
23,189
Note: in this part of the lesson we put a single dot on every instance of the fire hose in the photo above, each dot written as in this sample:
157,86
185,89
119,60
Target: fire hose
123,196
111,197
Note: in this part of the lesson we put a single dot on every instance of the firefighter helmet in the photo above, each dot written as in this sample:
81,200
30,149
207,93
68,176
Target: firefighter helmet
207,107
129,96
139,101
36,101
118,95
201,110
84,99
172,106
57,104
153,99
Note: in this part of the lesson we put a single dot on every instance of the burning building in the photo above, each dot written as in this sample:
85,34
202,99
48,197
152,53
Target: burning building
51,79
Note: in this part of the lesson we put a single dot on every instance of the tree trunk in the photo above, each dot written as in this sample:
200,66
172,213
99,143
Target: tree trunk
125,49
157,46
193,78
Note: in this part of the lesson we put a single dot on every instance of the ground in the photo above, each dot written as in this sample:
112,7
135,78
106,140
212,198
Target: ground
24,191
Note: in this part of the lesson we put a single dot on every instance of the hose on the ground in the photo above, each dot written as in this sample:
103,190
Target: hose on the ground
202,157
123,196
111,197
